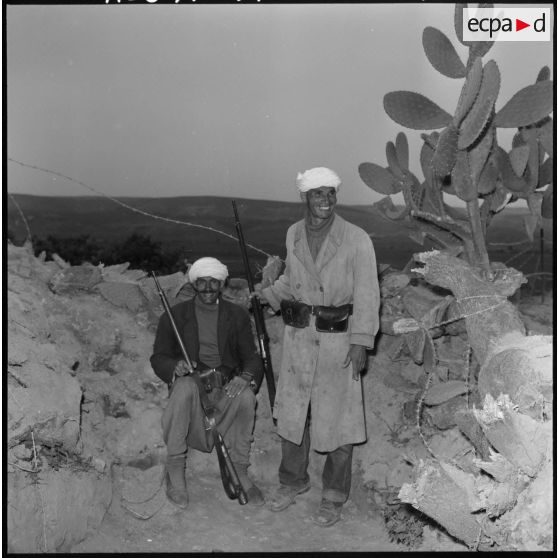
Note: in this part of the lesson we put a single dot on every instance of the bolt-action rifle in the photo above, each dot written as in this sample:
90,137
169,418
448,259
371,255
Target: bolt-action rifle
263,339
229,476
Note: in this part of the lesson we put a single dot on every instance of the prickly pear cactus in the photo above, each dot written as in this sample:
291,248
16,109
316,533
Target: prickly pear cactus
463,158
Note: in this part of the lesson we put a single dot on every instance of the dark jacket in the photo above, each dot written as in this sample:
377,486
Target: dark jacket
234,337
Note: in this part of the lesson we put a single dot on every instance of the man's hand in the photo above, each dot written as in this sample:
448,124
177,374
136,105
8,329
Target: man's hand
257,293
356,355
235,386
181,368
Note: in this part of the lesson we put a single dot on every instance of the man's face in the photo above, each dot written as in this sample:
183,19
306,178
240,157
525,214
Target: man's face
321,201
208,289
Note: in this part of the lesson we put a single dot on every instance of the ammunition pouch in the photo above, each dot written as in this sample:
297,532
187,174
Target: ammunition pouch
211,379
333,319
295,313
330,319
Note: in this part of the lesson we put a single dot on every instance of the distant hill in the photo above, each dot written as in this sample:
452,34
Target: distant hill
264,224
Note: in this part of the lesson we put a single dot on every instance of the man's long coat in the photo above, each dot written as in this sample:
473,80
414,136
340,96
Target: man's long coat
311,369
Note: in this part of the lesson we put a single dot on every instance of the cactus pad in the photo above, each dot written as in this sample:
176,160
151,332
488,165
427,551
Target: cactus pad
469,91
533,162
476,48
518,139
499,198
475,122
518,158
511,181
545,173
393,162
402,150
461,178
378,178
415,111
458,23
544,74
426,154
446,151
480,48
442,54
528,106
479,154
547,207
477,118
389,210
488,178
546,136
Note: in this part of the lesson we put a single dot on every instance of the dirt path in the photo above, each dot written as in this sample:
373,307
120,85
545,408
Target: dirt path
213,523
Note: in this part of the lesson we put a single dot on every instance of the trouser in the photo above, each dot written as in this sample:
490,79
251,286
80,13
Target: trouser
336,475
183,421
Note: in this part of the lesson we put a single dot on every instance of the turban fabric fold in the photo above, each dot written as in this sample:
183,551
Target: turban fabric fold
208,267
317,177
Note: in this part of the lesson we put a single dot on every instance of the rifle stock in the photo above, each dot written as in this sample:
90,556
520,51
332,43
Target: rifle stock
229,476
263,338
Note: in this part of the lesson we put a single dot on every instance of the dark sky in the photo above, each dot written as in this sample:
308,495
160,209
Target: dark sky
232,99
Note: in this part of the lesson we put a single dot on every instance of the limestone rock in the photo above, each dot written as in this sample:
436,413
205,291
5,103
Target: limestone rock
123,295
76,278
58,512
521,367
391,284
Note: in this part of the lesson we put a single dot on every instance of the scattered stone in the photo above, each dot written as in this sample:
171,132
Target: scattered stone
444,416
123,295
121,274
392,284
75,278
99,464
21,452
61,263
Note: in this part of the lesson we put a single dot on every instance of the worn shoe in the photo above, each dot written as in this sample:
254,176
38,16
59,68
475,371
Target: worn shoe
177,496
255,496
253,493
285,496
176,490
327,513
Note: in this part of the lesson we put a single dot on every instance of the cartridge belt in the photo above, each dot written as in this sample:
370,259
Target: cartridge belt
329,319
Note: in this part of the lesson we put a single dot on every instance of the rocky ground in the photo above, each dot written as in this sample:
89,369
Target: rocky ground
85,454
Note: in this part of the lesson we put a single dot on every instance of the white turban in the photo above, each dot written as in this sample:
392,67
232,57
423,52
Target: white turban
208,267
317,177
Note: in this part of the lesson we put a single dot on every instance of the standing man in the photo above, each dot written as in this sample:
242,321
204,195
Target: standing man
218,337
329,298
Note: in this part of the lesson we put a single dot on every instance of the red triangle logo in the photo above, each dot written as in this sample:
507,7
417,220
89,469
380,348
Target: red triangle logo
519,25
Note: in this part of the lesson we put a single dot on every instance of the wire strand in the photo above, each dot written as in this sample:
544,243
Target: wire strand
29,236
135,209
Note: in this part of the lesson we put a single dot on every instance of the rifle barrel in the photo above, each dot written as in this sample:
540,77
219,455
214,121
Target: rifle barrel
173,324
259,321
240,235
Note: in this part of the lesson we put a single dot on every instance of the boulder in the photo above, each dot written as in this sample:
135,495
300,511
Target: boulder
53,510
75,278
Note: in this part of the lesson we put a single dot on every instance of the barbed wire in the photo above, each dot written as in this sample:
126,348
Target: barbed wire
515,256
135,209
29,236
519,243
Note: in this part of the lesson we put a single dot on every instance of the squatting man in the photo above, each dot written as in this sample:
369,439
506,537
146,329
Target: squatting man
218,339
329,299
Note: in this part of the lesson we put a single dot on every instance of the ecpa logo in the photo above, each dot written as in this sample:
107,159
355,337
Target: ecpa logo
507,24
